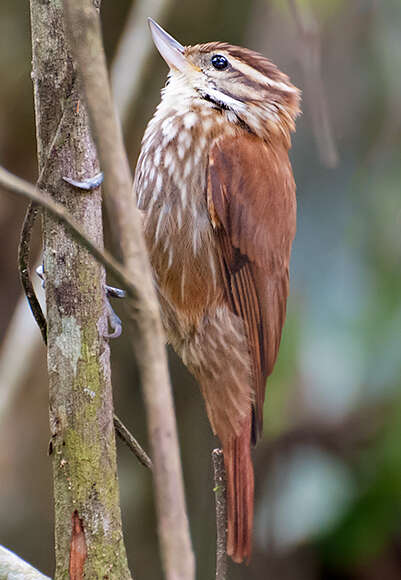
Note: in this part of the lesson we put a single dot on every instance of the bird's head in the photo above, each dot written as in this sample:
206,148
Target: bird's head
248,87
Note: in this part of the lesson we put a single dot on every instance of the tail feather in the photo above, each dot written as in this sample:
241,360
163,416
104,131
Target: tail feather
240,492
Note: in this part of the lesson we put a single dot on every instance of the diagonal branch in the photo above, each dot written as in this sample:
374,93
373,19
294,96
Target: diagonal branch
132,443
22,188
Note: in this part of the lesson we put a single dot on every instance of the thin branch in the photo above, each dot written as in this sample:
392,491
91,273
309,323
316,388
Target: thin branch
22,188
84,31
310,60
23,268
12,566
132,443
221,513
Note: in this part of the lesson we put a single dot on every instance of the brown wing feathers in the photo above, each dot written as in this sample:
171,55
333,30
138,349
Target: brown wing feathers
253,207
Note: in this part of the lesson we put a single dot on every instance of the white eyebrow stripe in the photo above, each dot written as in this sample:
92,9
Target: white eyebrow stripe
260,77
227,100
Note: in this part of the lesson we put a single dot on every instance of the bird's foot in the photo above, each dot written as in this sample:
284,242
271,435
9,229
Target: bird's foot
111,292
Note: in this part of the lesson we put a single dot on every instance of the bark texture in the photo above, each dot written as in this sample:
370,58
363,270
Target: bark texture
88,532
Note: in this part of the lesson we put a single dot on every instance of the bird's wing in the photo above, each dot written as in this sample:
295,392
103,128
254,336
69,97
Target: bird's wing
251,202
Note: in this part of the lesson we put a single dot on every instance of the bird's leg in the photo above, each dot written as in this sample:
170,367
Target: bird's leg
111,292
86,184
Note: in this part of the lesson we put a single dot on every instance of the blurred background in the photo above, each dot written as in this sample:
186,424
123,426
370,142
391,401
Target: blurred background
328,470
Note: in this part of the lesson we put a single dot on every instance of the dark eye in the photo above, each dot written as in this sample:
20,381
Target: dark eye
219,61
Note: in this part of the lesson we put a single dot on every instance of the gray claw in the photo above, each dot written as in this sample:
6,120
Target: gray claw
86,184
112,292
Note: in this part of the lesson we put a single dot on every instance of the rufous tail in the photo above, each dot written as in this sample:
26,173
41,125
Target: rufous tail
240,491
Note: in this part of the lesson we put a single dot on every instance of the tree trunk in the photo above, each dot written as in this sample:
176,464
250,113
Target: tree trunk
88,531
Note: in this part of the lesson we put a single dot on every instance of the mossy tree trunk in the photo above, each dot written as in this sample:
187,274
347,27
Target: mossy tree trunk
88,531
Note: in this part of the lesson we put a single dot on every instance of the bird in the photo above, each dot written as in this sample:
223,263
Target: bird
217,194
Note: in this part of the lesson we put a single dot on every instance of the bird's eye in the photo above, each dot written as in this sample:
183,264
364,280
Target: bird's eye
219,61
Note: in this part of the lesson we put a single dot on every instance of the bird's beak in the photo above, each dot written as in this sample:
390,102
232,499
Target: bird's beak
171,50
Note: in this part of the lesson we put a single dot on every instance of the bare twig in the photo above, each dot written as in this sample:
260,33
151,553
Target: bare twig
23,267
85,39
126,79
310,60
22,188
12,566
132,443
221,513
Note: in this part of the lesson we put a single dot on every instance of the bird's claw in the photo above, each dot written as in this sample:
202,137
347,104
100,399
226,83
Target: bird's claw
86,184
113,292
